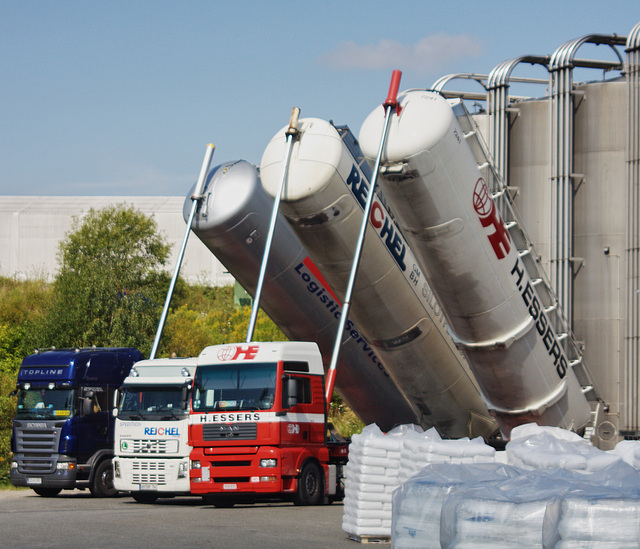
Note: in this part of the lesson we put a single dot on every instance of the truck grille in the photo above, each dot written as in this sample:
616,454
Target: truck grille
152,446
148,472
37,440
38,448
231,431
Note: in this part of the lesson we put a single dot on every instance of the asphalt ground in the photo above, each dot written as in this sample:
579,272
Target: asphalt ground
75,519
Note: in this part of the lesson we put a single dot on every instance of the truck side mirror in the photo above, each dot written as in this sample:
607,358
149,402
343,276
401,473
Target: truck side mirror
292,392
87,406
185,397
87,403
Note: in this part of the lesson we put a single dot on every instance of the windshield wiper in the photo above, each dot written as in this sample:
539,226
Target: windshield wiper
173,414
132,414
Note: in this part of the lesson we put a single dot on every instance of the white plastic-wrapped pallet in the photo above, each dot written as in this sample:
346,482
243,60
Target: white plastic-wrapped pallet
538,447
629,451
518,512
599,519
601,509
418,502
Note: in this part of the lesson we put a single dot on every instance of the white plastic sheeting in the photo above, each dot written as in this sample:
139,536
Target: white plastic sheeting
550,489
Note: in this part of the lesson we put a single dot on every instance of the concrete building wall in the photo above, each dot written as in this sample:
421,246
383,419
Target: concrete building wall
32,227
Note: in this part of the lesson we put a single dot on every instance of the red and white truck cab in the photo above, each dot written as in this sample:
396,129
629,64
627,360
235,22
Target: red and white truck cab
258,425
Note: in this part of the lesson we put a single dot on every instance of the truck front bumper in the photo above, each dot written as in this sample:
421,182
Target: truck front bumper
151,475
64,476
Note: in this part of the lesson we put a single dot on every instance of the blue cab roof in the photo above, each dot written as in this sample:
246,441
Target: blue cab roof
92,365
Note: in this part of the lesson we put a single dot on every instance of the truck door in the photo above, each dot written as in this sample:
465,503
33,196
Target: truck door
94,433
295,428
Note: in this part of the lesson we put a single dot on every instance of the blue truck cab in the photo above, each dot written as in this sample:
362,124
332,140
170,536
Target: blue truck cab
63,429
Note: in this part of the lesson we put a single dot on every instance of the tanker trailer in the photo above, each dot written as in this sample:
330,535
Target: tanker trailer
446,211
232,221
323,199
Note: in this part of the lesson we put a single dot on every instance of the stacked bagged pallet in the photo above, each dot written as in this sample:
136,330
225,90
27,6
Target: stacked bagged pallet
379,463
371,477
418,451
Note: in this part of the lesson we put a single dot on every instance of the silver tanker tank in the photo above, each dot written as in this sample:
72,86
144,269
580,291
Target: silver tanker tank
323,199
232,222
446,211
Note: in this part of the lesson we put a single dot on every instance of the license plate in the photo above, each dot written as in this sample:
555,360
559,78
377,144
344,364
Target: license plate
148,487
34,480
229,486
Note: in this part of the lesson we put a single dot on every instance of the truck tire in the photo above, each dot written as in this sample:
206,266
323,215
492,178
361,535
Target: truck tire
144,497
47,492
310,486
102,485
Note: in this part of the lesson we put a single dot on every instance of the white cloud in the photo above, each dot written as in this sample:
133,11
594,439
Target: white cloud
428,54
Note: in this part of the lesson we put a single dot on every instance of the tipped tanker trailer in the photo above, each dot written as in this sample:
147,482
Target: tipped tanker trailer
232,221
323,199
445,209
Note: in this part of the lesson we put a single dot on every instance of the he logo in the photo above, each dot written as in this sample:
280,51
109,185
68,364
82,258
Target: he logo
489,216
233,352
226,353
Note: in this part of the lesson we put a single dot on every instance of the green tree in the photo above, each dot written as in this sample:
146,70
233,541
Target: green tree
111,285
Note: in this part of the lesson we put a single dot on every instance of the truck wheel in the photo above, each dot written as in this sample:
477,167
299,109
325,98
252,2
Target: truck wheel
144,497
102,485
47,492
310,490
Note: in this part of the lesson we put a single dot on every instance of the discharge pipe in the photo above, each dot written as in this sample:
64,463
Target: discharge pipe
196,197
390,105
292,134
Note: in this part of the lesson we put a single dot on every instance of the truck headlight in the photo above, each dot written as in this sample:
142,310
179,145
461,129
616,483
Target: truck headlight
183,469
65,466
116,469
195,464
271,462
14,464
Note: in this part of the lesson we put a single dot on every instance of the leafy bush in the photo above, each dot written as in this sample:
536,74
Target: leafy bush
7,410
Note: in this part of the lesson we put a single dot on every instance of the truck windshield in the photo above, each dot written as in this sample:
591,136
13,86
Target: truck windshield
152,402
235,387
45,403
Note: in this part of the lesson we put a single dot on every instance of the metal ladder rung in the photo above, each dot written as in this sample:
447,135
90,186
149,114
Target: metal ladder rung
524,253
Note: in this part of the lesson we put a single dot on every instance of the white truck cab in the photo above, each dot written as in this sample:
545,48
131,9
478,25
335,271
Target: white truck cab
151,445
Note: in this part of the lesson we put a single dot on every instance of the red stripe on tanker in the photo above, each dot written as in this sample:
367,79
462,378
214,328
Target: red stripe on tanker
232,222
323,199
436,189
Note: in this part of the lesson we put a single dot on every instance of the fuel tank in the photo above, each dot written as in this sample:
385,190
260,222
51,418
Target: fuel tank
323,199
446,211
232,221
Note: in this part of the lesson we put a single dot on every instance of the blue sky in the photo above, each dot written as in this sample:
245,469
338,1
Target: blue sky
121,97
